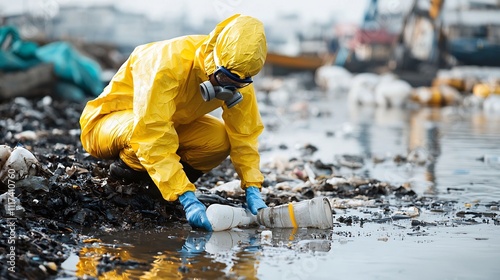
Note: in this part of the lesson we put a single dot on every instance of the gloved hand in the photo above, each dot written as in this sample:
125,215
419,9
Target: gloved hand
195,211
254,201
195,243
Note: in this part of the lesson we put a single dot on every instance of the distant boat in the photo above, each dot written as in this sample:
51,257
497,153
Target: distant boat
280,64
474,33
475,51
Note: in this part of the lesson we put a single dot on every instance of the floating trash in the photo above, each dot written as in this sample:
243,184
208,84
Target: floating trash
409,212
314,245
266,237
350,161
232,188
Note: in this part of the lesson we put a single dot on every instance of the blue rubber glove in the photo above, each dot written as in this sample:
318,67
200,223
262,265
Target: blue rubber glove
195,211
254,201
195,244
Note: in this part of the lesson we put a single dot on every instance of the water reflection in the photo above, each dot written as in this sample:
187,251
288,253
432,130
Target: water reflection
161,255
445,146
424,136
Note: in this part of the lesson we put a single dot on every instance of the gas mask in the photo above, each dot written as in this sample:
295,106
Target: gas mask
229,94
227,89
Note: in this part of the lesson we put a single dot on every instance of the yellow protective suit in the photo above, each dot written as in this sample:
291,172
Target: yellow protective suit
152,114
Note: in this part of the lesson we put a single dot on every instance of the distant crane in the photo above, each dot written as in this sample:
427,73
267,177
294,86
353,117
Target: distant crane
421,44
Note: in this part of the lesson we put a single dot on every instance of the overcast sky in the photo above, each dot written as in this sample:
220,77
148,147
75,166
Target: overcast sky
266,10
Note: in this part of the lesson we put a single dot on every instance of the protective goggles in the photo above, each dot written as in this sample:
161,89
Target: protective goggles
225,78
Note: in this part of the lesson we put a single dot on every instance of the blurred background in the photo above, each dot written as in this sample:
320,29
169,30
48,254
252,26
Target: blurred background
411,38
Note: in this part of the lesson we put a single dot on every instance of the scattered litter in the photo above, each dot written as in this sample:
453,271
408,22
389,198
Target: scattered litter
20,164
266,237
315,245
231,189
408,212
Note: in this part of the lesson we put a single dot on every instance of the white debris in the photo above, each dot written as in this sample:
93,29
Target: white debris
332,78
392,93
232,188
266,237
4,154
491,104
310,173
351,203
335,181
314,245
69,265
411,211
27,135
20,163
362,89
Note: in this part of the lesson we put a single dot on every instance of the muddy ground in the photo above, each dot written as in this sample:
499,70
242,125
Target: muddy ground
72,194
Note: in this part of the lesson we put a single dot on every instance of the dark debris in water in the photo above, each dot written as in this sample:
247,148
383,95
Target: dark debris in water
108,262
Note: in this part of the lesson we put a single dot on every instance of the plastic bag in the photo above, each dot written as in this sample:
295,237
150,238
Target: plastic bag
73,67
16,54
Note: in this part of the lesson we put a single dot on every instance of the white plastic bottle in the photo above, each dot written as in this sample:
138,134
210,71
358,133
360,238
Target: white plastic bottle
312,213
224,217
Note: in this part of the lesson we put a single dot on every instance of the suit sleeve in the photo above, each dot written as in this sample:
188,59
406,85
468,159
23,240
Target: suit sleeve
244,126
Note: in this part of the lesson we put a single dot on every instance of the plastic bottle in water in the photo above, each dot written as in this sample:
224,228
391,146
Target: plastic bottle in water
312,213
224,217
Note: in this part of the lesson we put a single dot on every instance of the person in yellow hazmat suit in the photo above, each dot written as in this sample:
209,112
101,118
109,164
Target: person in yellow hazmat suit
153,116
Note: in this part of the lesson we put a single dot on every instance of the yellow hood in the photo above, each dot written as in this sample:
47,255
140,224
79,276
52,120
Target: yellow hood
237,43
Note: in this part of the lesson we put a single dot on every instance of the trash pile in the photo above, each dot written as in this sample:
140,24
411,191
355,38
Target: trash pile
472,86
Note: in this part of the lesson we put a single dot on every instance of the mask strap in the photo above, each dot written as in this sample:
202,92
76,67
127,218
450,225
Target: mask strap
216,57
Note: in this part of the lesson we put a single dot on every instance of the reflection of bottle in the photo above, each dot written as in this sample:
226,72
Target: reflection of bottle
223,217
224,241
313,213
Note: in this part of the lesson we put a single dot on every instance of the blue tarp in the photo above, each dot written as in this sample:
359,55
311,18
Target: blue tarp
70,66
15,54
